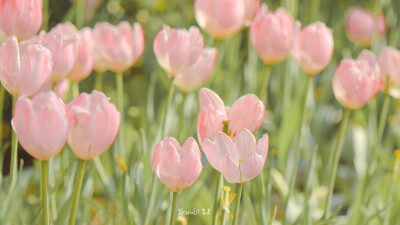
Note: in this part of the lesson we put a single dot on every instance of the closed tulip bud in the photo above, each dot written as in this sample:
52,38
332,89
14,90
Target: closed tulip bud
177,49
24,68
94,124
41,124
118,47
240,159
362,26
21,18
197,73
389,63
272,34
84,62
251,9
178,167
313,48
220,18
355,82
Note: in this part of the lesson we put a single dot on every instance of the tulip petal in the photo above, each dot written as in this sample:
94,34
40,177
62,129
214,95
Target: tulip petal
190,163
245,143
209,123
231,171
168,167
209,99
213,154
252,166
262,146
226,147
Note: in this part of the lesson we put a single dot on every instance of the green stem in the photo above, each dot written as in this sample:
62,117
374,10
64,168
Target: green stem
53,203
120,103
393,177
45,20
98,83
75,89
266,198
14,156
169,98
297,152
80,13
153,192
173,208
77,191
218,186
335,161
239,188
1,130
264,84
181,115
45,205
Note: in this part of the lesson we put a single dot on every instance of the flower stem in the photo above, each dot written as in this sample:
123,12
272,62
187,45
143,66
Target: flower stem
220,181
77,191
239,188
335,161
264,84
98,81
45,20
120,103
45,205
169,98
389,193
173,208
75,89
296,159
181,114
14,156
80,13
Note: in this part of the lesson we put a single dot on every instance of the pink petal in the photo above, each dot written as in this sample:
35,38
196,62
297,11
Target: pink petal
230,169
252,166
209,99
262,146
190,163
209,123
213,154
245,143
10,65
167,169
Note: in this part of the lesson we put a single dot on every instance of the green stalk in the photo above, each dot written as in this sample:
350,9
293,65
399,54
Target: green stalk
335,161
220,181
173,208
120,103
1,130
77,191
264,84
169,98
239,188
45,20
80,13
393,178
45,205
14,156
98,81
181,114
75,89
297,149
53,203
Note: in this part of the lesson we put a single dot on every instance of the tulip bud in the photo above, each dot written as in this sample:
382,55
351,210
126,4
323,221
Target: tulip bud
251,9
314,48
177,167
94,124
41,124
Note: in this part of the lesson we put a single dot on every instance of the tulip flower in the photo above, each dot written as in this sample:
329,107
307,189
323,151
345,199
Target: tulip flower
177,49
246,113
84,62
94,124
24,68
178,167
240,159
355,82
221,18
41,124
251,9
198,72
314,48
389,63
118,47
272,34
362,26
21,18
62,89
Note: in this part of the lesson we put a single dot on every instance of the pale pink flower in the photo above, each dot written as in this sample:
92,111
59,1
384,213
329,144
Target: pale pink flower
389,63
251,9
178,167
84,62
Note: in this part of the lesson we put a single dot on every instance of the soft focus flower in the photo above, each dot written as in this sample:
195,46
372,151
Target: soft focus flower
220,18
177,167
198,72
314,47
84,62
177,49
118,47
246,113
272,34
94,124
251,8
63,43
62,88
240,159
362,26
41,124
355,82
389,63
24,68
21,18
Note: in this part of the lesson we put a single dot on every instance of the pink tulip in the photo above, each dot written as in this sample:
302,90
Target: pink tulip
24,68
239,160
118,47
84,62
246,113
220,18
177,49
314,47
94,124
177,167
251,9
362,26
355,82
63,43
62,89
272,34
21,18
389,63
3,37
197,73
41,124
